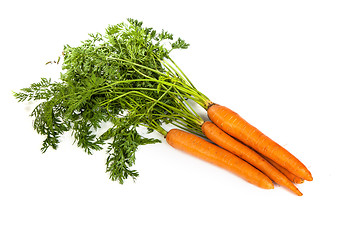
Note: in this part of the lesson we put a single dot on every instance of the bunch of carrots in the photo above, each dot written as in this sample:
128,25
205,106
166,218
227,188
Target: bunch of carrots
129,70
242,149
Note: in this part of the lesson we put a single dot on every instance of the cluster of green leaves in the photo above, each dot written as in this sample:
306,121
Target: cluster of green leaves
120,77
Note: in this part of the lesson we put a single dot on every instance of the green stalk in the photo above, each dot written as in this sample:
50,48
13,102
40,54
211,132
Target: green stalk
136,84
201,98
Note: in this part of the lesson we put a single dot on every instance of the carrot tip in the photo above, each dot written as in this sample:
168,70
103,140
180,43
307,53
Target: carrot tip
309,178
298,181
306,175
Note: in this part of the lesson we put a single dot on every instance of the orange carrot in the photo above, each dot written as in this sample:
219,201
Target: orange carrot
236,126
222,139
289,175
211,153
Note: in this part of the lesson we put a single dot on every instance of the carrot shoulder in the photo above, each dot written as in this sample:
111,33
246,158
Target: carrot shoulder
222,139
211,153
236,126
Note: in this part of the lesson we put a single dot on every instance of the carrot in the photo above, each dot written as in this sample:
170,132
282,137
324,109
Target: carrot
211,153
222,139
236,126
289,175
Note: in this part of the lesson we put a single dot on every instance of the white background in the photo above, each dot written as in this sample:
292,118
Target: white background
291,68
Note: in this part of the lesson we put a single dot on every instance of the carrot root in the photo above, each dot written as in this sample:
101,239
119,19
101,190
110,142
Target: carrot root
222,139
289,175
231,123
211,153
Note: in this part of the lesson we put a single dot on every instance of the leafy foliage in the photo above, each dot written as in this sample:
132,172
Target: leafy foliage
119,77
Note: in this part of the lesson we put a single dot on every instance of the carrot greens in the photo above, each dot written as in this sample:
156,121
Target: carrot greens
125,77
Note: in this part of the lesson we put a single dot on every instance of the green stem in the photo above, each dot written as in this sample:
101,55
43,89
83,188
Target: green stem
201,98
138,65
